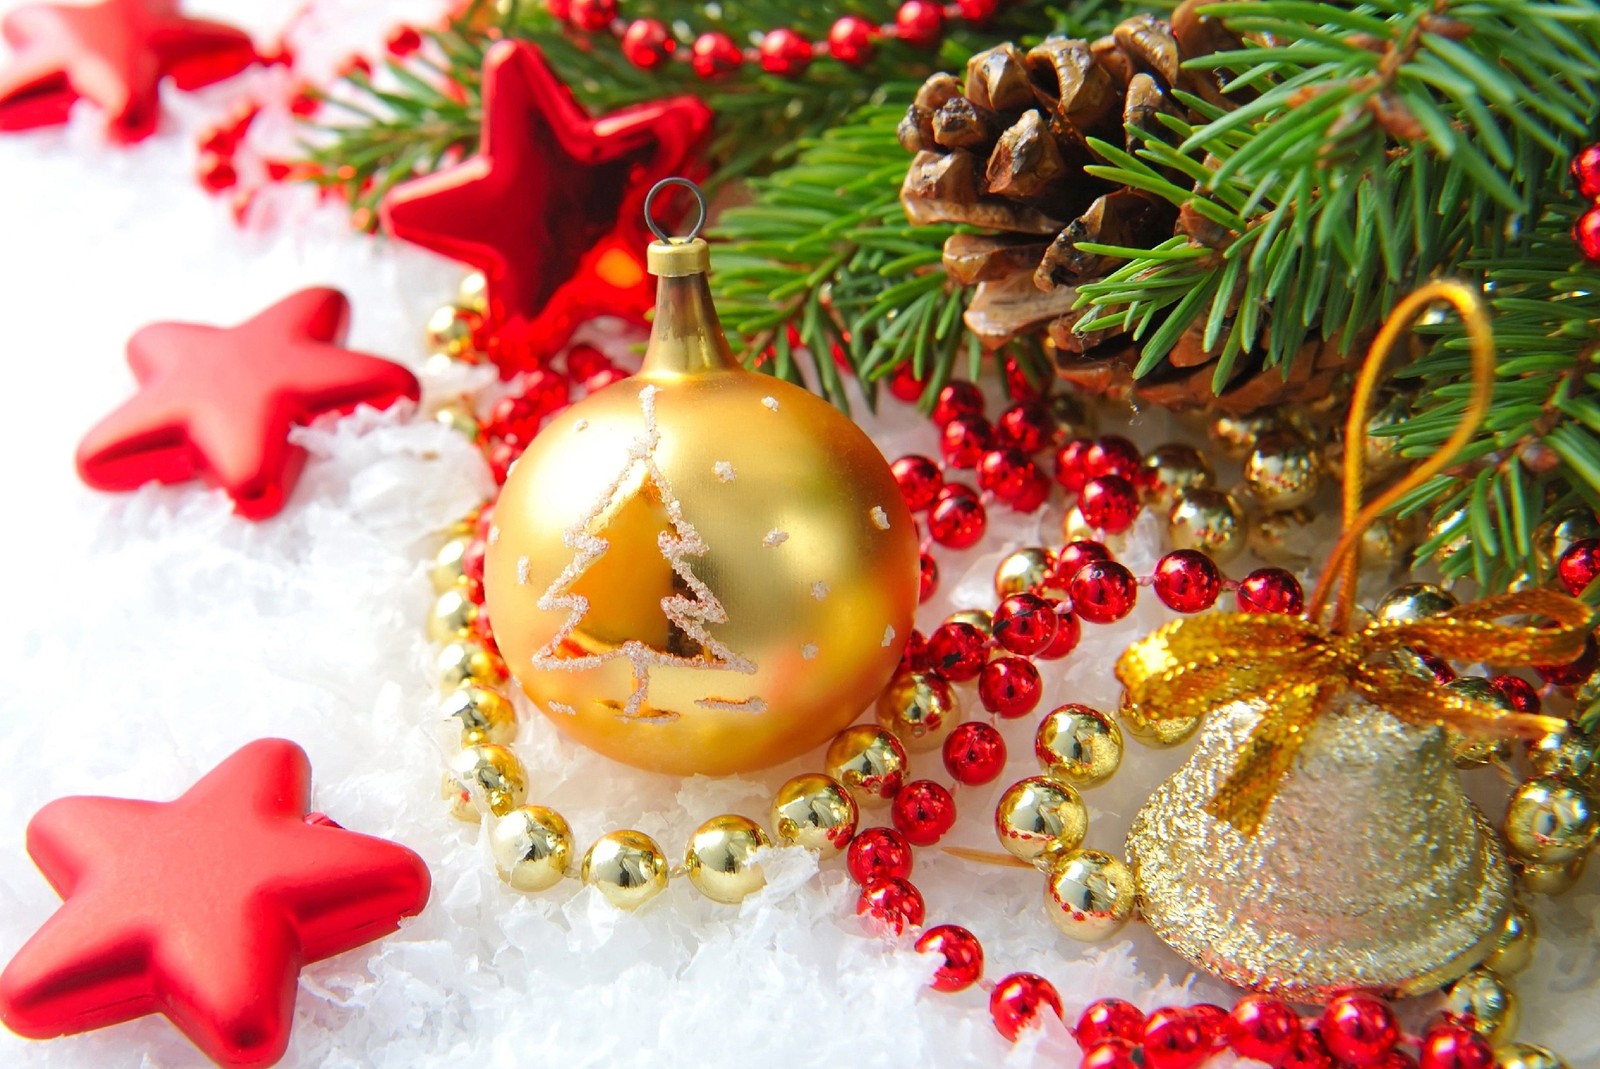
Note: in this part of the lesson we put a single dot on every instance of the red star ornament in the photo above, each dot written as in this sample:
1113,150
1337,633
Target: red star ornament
203,909
113,53
218,402
551,209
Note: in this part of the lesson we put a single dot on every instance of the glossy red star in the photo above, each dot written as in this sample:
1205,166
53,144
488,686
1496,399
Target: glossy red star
203,909
218,403
113,53
551,209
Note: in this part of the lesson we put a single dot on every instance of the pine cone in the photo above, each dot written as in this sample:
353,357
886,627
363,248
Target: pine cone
1006,151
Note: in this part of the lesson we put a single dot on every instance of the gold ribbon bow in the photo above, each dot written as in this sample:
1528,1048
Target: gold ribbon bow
1291,667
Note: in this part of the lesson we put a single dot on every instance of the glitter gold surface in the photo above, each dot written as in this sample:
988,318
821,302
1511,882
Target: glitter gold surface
1371,869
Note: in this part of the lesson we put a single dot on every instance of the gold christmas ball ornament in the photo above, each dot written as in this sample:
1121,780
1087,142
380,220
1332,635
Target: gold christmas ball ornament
1550,822
1282,471
1484,1002
1552,880
1281,538
452,616
1513,948
1567,755
483,715
447,571
1022,571
1449,531
1078,745
816,812
1039,818
1237,435
1383,545
1412,602
1168,470
452,331
473,293
1089,895
870,762
1210,521
532,847
1469,751
1556,535
1526,1056
626,867
721,862
920,709
485,777
1380,449
465,661
701,569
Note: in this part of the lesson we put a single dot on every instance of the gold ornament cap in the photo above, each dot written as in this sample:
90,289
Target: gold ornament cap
677,257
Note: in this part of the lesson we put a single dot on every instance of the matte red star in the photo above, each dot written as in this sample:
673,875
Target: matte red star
114,53
218,402
551,209
203,909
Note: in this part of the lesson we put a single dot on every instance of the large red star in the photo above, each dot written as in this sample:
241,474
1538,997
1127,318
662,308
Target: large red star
203,909
551,209
218,403
114,53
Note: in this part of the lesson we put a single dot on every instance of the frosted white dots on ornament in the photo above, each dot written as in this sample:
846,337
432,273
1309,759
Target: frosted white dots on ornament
494,534
522,570
809,651
819,590
561,707
888,636
770,403
880,518
581,425
775,538
723,471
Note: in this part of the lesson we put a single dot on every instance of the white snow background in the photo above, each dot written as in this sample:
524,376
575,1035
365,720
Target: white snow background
147,636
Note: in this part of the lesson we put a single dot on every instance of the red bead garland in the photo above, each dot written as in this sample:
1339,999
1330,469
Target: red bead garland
784,52
850,40
1454,1046
975,753
1025,624
877,853
1020,1001
1263,1028
958,520
962,953
919,23
957,651
1586,172
893,902
1109,503
714,54
1579,565
1359,1029
647,44
920,481
923,811
956,400
1103,592
1174,1039
1108,1018
1271,590
1010,687
1187,580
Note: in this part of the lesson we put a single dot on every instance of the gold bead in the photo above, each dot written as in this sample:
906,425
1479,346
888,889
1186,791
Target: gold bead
920,709
452,616
626,867
1078,745
1567,755
485,776
473,293
721,861
1550,880
459,417
816,812
1208,520
1168,470
1281,537
1449,529
1160,735
532,847
1549,822
464,661
466,525
1526,1056
451,331
1383,545
1282,471
982,619
1237,435
1074,528
1072,415
1470,751
1089,895
1039,817
1513,949
1556,535
1484,1002
1412,602
1381,452
448,570
483,715
870,762
1022,571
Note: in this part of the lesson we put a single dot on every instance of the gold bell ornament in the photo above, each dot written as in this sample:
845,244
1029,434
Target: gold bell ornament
1318,839
700,569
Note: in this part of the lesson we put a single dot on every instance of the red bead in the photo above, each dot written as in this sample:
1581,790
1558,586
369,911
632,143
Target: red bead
1579,565
927,577
585,361
219,140
962,953
850,41
1111,454
1306,1052
958,521
978,10
472,568
1028,426
1395,1059
784,53
1518,691
1025,624
592,15
1213,1022
923,812
1019,380
903,384
920,481
1072,557
956,400
1173,1039
354,65
1068,632
1009,686
1358,1028
1271,590
1586,232
501,456
914,657
1112,1054
892,902
714,54
646,44
1108,1018
1071,471
1454,1046
974,753
1033,490
964,440
919,23
1263,1028
1442,672
877,853
1020,1001
1187,580
559,9
957,651
1570,675
1109,503
1103,591
305,101
1586,172
216,173
1006,473
402,41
